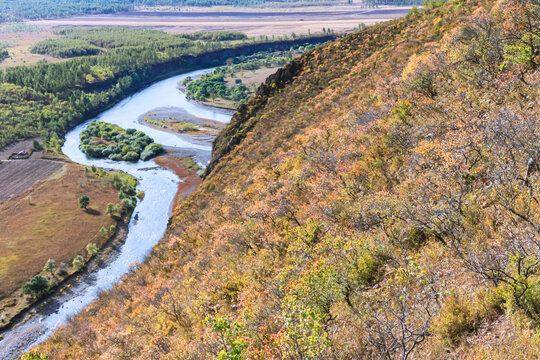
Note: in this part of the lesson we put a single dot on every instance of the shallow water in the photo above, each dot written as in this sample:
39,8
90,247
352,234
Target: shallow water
149,220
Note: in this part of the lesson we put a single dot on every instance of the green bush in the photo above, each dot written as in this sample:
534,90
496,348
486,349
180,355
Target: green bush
33,356
92,249
50,266
150,151
78,262
84,201
37,286
127,205
131,156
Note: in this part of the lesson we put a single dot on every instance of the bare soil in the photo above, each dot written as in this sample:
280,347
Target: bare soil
18,175
190,179
249,77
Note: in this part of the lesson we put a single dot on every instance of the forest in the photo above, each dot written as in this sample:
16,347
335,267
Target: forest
91,41
378,198
15,10
47,99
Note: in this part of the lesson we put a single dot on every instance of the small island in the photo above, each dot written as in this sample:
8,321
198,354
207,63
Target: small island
103,140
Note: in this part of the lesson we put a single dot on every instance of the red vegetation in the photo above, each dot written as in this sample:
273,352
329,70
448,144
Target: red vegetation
379,202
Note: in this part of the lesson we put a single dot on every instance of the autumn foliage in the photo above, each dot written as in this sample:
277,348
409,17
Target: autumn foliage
382,202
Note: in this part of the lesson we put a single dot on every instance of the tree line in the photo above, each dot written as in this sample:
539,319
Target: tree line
13,10
48,99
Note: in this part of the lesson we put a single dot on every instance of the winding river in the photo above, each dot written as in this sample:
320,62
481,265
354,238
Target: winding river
149,220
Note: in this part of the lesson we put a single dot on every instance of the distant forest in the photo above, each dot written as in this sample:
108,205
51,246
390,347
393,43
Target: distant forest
17,10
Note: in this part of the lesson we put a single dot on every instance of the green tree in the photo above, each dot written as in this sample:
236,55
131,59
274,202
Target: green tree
78,262
92,249
84,201
36,286
50,266
111,209
230,335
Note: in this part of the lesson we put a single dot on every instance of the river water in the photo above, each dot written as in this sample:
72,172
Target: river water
149,220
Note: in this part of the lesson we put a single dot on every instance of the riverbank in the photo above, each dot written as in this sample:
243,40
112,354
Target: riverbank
49,303
46,222
63,282
190,178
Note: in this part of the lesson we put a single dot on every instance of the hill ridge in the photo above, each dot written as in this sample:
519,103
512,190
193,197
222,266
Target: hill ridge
380,201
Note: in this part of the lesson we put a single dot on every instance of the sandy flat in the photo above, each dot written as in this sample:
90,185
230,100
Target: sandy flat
253,22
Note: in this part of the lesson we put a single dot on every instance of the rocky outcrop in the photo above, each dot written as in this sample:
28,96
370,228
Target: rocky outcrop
244,119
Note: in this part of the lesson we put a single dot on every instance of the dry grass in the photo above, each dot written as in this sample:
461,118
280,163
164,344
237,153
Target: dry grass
46,222
19,50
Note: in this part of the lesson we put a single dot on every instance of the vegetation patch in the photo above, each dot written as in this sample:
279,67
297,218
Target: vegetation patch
188,162
65,48
4,54
104,140
226,83
185,127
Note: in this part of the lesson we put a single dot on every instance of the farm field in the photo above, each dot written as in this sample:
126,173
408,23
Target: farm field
20,40
18,175
46,222
252,21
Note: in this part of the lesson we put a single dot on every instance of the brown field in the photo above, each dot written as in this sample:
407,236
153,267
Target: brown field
51,225
18,175
252,21
21,42
252,76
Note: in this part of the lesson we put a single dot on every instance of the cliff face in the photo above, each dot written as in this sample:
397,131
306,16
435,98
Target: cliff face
246,117
378,198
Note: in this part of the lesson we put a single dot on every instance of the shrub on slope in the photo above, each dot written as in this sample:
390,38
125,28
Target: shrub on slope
382,200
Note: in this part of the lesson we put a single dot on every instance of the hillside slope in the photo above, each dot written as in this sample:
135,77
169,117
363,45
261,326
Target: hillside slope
377,199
